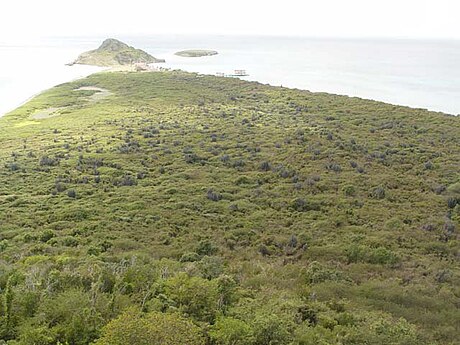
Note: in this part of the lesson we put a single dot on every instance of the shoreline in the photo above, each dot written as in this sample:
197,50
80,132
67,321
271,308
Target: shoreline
131,68
300,65
11,109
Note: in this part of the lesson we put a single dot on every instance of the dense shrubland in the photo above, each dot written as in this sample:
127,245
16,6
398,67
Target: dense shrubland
196,210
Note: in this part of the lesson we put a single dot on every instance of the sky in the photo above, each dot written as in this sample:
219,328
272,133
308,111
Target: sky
21,19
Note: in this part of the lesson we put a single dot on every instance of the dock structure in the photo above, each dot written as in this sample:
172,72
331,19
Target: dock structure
240,73
236,73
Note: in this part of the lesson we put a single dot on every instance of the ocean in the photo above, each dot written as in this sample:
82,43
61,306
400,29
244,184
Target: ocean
415,73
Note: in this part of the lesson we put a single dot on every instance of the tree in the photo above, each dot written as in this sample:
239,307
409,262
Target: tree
70,316
193,296
133,327
270,329
7,318
230,331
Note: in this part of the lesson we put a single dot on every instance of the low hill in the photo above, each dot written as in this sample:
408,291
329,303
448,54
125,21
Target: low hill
199,209
113,52
196,53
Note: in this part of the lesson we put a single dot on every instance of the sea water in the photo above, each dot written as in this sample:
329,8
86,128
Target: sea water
416,73
27,68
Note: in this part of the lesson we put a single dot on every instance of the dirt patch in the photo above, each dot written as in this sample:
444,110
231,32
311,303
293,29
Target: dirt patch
98,95
46,113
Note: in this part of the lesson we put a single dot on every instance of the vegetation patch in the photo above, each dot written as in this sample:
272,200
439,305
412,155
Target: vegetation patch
187,209
196,53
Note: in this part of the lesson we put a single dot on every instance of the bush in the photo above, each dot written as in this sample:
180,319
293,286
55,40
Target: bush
333,167
194,296
452,202
213,196
264,250
438,189
428,165
388,331
189,257
192,158
381,255
71,193
3,245
206,247
210,267
239,163
46,235
12,166
378,193
318,273
302,205
349,190
136,328
126,180
48,161
71,317
230,331
60,187
70,241
265,166
36,335
270,329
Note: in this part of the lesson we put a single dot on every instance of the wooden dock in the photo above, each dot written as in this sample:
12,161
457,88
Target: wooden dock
236,73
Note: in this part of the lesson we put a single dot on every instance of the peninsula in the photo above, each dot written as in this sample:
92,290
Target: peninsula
176,208
113,52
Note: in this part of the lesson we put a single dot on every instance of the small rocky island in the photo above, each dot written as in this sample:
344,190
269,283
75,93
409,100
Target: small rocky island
112,53
196,53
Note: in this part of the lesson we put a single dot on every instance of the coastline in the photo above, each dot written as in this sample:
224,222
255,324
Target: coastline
301,65
131,68
21,103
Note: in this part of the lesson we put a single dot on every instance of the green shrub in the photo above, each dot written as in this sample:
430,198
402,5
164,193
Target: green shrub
378,193
230,331
318,273
210,267
381,255
349,190
136,328
194,296
206,247
46,235
270,329
190,257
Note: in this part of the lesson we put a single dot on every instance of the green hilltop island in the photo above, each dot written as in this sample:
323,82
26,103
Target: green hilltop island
113,53
175,208
196,53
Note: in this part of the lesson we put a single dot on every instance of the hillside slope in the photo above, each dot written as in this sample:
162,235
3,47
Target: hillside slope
113,52
249,214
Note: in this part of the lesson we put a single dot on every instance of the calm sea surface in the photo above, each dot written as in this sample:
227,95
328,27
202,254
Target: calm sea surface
416,73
